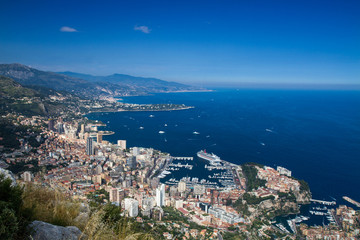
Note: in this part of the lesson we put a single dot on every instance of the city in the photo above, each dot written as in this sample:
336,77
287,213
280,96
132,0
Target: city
72,156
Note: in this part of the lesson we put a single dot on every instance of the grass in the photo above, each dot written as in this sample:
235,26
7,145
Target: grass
50,205
20,205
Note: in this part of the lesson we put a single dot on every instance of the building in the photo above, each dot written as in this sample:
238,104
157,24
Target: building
225,216
283,171
27,176
132,207
154,183
116,195
131,162
99,138
173,191
204,206
199,189
122,144
182,187
136,151
60,127
157,213
160,195
51,124
89,146
98,169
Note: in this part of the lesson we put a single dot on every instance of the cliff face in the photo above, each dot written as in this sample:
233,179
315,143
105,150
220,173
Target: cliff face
302,197
279,206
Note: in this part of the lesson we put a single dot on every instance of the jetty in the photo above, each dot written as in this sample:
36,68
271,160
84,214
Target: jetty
179,165
329,203
182,158
351,201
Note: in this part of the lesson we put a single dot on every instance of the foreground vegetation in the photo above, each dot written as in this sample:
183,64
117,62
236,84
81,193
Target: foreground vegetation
20,205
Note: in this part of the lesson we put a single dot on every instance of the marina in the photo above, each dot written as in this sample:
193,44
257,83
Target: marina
219,175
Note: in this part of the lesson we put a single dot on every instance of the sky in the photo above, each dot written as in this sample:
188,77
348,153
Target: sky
199,42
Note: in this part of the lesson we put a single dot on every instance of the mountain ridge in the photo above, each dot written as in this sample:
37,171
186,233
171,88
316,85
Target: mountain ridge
89,86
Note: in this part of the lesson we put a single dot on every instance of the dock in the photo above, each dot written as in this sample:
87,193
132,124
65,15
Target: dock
329,203
182,158
351,201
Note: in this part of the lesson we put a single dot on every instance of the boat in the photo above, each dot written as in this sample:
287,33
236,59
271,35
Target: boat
141,128
161,132
212,158
151,116
196,133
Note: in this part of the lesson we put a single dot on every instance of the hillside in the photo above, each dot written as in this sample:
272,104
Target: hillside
151,84
29,101
89,86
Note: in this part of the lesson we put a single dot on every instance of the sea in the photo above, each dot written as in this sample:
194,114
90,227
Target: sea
313,133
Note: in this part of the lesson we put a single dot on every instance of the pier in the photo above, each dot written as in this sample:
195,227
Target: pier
182,158
179,165
332,203
215,167
351,201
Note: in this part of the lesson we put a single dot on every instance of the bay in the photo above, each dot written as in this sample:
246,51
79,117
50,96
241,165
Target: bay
314,133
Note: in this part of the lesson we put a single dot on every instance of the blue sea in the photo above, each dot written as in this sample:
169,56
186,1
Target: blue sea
314,133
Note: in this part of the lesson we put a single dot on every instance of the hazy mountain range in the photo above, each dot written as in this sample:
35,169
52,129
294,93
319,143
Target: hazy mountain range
90,86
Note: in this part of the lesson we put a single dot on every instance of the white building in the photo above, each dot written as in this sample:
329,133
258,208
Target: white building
27,176
122,144
284,171
182,186
132,207
199,189
160,195
136,151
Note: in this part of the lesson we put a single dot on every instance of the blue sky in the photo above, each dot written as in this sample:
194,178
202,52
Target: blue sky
200,42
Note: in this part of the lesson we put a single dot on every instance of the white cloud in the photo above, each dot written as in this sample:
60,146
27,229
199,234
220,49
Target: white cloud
67,29
143,29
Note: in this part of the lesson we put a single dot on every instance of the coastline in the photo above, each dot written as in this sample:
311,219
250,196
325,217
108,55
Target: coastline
138,110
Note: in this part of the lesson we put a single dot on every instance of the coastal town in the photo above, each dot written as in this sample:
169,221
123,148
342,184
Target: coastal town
72,157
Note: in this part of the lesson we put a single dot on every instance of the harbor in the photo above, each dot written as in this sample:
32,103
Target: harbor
199,171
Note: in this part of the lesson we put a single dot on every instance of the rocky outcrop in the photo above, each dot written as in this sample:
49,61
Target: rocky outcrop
9,175
46,231
302,197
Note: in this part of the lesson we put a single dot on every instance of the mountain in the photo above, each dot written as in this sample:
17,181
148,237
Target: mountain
28,101
10,88
123,79
28,76
89,86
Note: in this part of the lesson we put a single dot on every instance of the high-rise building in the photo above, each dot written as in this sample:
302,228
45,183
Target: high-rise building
122,144
60,127
131,162
160,195
89,146
182,186
116,195
82,128
99,138
51,124
132,207
136,151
